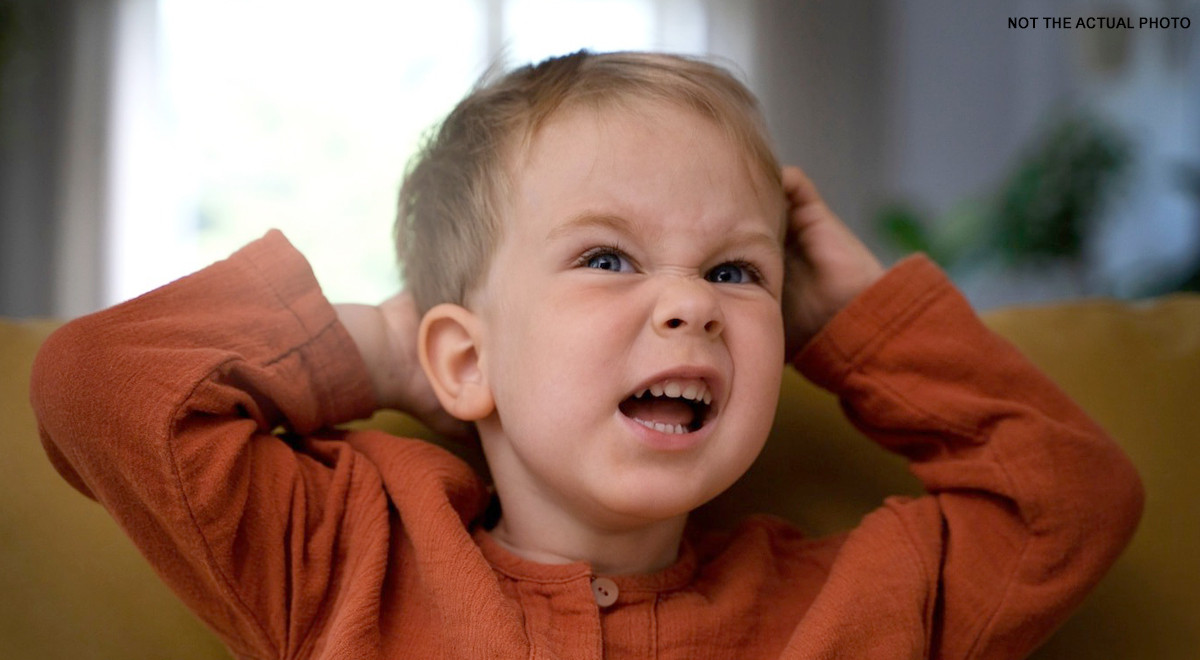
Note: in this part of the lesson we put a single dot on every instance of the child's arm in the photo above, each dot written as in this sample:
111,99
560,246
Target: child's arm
163,409
1030,502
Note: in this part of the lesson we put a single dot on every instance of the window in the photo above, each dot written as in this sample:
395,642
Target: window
235,116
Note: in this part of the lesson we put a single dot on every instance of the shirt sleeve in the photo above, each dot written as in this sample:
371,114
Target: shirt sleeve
166,410
1029,501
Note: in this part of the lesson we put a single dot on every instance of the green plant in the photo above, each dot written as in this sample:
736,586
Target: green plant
1044,210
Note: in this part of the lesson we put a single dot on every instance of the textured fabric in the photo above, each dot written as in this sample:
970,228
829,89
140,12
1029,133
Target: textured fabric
358,544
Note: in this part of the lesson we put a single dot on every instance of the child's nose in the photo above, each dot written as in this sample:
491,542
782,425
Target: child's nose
688,305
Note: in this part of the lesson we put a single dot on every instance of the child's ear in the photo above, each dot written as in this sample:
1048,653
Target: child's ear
448,347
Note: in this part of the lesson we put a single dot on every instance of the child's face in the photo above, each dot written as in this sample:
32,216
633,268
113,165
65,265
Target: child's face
638,253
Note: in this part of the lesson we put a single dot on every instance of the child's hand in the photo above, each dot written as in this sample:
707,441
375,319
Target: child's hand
387,339
827,266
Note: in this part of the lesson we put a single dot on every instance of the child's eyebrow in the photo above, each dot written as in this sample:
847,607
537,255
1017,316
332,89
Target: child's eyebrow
755,239
588,220
739,238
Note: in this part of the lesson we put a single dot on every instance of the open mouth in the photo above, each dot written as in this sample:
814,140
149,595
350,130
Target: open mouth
675,405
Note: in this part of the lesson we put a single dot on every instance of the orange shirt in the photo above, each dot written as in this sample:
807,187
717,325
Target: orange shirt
357,544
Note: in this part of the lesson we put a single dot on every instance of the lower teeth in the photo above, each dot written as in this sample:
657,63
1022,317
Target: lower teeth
662,428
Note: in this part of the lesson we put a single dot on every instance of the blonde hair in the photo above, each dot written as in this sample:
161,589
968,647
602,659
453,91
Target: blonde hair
455,190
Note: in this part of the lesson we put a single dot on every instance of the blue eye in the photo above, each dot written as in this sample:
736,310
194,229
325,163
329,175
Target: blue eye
607,259
732,273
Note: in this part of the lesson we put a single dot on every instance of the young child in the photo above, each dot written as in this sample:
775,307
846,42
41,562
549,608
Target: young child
606,270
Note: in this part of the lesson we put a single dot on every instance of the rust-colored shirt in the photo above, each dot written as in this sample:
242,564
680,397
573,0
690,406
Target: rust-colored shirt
357,544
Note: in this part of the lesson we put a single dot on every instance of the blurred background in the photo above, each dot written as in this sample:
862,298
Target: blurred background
143,139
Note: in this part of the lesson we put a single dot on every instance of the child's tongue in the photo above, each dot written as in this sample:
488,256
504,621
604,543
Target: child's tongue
660,410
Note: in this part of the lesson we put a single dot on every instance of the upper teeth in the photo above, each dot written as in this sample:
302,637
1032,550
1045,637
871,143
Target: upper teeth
693,390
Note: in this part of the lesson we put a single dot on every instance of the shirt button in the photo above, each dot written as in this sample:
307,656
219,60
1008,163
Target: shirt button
605,591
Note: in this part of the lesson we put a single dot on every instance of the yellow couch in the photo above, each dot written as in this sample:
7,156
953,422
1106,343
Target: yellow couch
71,586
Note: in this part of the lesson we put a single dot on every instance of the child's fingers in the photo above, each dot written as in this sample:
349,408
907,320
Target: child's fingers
828,264
806,207
799,188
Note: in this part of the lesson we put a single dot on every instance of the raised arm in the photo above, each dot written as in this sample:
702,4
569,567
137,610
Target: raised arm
165,410
1030,501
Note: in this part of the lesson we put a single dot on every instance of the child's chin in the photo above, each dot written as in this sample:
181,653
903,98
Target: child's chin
650,505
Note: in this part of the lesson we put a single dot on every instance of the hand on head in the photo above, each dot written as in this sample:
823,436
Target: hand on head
386,336
826,264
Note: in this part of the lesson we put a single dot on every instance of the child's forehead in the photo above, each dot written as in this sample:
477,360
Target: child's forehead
664,118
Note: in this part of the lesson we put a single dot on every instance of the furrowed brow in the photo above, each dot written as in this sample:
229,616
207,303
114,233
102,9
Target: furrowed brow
751,239
589,220
743,239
